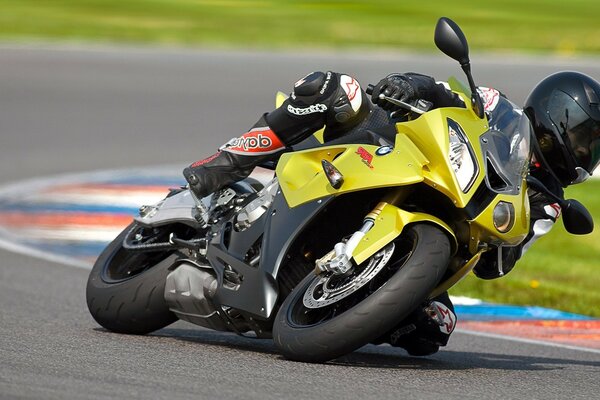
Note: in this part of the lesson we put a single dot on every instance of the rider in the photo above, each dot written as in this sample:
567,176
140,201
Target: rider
331,99
564,110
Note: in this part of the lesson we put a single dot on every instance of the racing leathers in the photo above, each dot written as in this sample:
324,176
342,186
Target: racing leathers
319,99
336,101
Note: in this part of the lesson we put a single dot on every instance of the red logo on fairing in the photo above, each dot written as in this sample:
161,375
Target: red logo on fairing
366,156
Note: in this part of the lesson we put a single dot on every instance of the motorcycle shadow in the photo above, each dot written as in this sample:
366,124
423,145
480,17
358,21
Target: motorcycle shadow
382,356
369,356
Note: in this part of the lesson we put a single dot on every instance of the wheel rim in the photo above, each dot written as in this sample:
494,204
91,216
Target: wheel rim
306,312
124,264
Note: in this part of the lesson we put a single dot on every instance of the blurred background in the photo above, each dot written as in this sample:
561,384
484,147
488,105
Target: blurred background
531,26
99,84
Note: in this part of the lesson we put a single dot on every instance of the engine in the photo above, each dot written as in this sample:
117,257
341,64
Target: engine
188,293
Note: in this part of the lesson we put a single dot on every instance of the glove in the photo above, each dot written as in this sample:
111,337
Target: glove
544,214
396,86
543,207
411,87
408,88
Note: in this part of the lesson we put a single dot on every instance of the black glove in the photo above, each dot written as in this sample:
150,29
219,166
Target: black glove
538,203
411,87
396,86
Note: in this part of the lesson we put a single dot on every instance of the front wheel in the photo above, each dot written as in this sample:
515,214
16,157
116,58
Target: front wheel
324,319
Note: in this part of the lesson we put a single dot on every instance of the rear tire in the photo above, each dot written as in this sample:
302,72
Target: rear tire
125,290
309,335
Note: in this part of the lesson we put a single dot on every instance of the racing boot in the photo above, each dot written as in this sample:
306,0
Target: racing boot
234,161
426,329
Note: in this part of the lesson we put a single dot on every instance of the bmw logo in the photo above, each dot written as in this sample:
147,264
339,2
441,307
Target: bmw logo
383,150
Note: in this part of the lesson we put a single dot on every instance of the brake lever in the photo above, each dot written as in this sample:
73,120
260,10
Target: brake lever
407,106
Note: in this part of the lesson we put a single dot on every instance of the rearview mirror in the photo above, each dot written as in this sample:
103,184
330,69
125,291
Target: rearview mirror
450,39
577,219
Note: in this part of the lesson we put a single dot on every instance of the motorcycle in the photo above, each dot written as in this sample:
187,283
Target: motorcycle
343,244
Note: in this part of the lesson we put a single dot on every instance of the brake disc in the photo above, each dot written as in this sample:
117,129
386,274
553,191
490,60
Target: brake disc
331,288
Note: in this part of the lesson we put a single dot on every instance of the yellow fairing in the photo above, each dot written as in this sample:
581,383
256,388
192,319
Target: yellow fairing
420,154
430,134
279,99
419,144
388,225
482,227
301,176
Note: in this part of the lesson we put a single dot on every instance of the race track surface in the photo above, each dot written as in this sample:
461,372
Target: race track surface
75,111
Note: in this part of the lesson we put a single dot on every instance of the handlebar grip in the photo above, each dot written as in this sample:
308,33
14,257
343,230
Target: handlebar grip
369,89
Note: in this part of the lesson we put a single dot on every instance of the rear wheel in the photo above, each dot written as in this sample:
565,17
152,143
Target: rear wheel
324,318
125,290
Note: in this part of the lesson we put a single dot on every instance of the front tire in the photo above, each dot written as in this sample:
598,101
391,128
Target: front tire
125,289
417,264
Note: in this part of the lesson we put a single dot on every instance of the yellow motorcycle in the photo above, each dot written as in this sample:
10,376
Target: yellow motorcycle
344,243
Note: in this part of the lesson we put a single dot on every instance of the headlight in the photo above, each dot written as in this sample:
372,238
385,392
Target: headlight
461,157
504,216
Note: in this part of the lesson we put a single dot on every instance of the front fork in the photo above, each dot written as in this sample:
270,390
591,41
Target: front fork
339,260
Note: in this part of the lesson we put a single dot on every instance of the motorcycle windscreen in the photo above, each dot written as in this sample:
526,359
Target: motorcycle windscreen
507,148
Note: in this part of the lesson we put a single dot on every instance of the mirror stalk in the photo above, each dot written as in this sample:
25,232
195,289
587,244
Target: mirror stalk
476,101
451,40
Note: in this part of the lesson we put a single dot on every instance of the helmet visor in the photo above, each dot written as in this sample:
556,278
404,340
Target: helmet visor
580,133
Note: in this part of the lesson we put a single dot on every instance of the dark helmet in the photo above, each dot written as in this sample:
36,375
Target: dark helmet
564,110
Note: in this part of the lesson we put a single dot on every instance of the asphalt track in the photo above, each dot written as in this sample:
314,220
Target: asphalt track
73,110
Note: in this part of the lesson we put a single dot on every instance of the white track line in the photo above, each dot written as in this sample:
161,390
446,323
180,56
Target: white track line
33,252
528,341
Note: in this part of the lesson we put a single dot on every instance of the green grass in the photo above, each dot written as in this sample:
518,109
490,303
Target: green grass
551,26
560,271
